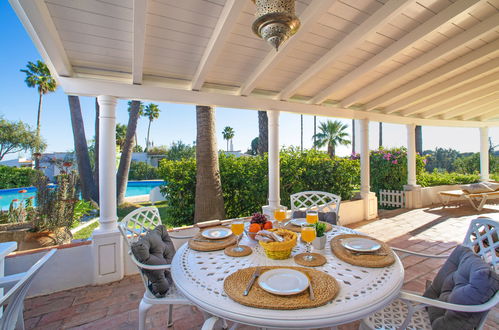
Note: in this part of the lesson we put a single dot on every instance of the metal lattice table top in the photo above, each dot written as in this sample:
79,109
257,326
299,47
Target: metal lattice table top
200,277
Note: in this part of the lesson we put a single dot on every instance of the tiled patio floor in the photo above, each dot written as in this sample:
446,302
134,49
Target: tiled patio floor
114,306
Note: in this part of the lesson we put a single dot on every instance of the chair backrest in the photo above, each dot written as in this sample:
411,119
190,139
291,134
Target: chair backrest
138,222
482,237
15,296
320,200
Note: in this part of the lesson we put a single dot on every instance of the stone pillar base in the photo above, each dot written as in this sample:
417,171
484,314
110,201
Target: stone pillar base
413,198
107,251
370,205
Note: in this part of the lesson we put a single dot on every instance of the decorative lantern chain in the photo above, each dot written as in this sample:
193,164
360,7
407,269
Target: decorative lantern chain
275,21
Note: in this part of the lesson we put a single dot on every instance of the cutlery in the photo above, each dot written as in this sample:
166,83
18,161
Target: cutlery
311,290
369,253
252,281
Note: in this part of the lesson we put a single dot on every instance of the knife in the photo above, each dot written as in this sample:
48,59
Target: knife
252,281
207,240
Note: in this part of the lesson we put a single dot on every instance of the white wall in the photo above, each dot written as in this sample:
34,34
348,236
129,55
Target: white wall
429,195
351,211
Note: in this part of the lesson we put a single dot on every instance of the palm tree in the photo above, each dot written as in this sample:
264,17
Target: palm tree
353,137
419,140
263,132
228,134
301,130
120,135
332,133
380,134
141,113
209,198
38,75
152,112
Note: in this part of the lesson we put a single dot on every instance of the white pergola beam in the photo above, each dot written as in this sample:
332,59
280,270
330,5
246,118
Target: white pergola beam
464,109
451,94
153,92
37,21
309,17
451,12
446,85
426,79
433,55
228,18
352,40
139,39
459,101
492,114
482,111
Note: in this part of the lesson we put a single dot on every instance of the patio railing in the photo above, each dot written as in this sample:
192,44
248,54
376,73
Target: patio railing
392,198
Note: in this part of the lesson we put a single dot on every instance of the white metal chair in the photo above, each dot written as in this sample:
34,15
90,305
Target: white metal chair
20,283
317,200
409,310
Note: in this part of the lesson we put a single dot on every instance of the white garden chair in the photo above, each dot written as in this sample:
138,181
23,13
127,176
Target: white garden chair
132,227
20,283
317,200
409,310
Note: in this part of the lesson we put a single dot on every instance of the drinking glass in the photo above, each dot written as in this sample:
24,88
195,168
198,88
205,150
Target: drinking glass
308,235
280,214
237,228
312,217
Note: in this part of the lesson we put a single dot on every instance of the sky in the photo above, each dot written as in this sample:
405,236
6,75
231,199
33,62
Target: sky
176,122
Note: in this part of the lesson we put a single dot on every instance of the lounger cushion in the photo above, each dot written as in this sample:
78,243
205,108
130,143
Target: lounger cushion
156,248
476,188
329,217
464,279
492,185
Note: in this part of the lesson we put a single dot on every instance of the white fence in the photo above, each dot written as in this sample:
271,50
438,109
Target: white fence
393,198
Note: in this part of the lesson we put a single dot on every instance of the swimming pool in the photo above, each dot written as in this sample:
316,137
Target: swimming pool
134,188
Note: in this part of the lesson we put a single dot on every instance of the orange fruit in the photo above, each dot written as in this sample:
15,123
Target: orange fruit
254,227
267,225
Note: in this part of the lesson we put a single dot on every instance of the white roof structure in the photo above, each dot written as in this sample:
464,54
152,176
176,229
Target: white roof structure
427,62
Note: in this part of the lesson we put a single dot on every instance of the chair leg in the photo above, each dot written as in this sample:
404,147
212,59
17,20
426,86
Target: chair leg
170,316
20,319
143,308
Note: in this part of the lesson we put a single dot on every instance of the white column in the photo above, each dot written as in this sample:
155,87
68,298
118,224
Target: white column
484,153
107,243
411,154
274,171
369,198
365,186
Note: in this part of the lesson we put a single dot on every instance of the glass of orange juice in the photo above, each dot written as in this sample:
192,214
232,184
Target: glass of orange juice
280,214
312,216
237,227
308,235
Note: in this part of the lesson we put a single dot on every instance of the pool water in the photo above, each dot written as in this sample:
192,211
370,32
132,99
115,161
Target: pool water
134,188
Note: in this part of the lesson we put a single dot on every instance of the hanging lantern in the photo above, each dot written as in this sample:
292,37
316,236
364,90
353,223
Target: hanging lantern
275,21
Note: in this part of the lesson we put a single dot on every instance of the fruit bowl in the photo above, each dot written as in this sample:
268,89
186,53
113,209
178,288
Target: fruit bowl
258,222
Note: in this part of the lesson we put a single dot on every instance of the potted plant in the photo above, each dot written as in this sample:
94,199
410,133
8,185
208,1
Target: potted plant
319,242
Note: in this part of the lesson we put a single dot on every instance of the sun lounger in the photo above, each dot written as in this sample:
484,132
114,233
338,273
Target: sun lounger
477,200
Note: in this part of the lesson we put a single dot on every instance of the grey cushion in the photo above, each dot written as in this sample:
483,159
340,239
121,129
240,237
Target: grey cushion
464,279
329,217
476,188
155,248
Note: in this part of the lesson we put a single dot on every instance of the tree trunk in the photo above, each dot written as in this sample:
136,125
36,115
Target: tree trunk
126,152
96,148
147,140
38,123
88,189
315,129
263,132
353,136
301,130
380,134
419,140
209,198
227,145
331,150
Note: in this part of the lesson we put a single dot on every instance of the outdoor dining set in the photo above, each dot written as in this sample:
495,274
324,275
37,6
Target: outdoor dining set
270,279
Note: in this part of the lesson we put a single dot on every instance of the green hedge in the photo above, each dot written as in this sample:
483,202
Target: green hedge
13,177
438,178
142,171
245,181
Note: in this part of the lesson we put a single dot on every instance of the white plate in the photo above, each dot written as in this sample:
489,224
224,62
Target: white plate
298,221
216,233
283,281
359,244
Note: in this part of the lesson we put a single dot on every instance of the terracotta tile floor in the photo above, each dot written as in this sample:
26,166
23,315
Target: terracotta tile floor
114,306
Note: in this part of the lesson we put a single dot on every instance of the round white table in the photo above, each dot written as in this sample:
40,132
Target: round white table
200,277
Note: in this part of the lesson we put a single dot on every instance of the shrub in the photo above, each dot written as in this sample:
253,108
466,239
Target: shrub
437,178
245,181
389,168
471,164
13,177
142,171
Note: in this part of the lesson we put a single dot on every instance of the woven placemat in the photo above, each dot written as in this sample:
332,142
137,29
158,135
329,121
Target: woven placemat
318,260
325,289
382,258
199,243
297,229
229,250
